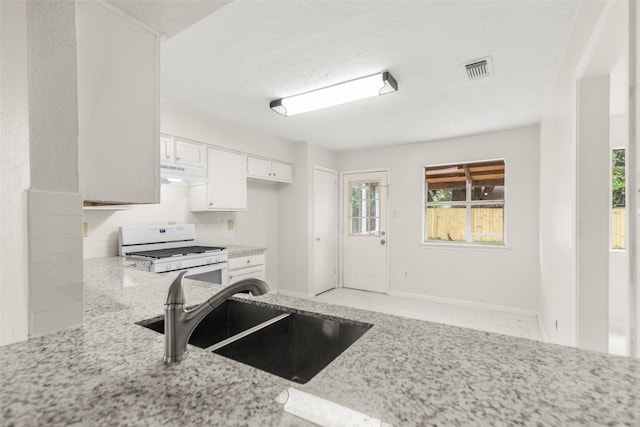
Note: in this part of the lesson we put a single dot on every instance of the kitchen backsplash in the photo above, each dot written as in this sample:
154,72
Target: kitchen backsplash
102,226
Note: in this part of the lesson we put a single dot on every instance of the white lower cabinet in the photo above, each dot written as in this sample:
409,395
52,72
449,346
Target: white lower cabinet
227,186
246,267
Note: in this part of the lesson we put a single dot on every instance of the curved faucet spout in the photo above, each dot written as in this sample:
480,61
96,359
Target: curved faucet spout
180,323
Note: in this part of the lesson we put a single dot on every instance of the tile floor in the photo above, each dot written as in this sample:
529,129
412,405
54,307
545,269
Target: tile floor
451,314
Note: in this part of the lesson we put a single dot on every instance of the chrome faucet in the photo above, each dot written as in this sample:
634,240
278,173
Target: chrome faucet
180,323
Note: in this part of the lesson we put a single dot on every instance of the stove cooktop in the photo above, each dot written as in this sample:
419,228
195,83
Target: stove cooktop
176,252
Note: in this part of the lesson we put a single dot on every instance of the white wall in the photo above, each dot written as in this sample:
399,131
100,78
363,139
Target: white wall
14,172
54,204
619,138
293,227
181,121
558,153
593,214
507,278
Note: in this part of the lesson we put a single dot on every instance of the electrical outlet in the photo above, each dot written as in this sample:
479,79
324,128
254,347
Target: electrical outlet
85,229
406,274
172,223
229,224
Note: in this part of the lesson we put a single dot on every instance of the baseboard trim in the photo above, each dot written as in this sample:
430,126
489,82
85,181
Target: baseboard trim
501,308
294,294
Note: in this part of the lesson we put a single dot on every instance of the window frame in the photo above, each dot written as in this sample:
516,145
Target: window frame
468,203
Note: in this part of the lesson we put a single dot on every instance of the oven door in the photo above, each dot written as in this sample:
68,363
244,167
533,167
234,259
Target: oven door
213,273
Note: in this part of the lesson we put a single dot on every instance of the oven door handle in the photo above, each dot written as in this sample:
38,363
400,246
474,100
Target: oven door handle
201,269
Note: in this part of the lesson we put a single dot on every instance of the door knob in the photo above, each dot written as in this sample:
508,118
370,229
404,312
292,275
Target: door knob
382,233
382,242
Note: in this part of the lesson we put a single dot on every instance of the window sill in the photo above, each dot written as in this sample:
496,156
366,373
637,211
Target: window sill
466,246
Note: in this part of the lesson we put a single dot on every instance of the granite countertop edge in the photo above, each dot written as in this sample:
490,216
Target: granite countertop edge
235,251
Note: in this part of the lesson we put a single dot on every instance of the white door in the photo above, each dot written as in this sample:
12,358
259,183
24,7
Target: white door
365,231
325,228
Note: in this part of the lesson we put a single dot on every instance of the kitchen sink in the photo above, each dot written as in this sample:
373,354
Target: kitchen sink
228,319
296,347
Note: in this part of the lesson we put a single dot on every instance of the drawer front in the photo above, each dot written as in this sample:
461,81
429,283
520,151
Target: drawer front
246,273
245,261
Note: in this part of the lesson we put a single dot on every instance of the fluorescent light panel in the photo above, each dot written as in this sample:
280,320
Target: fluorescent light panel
341,93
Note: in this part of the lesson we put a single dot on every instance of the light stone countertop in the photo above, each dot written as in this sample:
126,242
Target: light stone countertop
406,372
239,250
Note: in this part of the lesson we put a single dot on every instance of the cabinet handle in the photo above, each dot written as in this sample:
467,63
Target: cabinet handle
248,261
210,203
178,158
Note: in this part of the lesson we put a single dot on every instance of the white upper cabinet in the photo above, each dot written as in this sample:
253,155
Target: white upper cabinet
182,152
271,170
227,186
281,171
166,149
118,107
190,153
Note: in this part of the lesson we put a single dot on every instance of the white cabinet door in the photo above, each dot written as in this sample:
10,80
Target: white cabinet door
252,266
166,149
259,168
269,170
189,153
281,171
118,107
227,187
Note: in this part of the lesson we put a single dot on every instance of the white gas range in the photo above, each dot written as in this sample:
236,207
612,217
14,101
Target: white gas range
170,249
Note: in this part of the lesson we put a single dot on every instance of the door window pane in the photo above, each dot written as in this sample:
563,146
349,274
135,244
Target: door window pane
365,208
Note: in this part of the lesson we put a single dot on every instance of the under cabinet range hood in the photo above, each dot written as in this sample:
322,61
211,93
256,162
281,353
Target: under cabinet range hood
182,175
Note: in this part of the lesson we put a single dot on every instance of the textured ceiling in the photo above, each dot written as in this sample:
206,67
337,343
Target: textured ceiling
233,62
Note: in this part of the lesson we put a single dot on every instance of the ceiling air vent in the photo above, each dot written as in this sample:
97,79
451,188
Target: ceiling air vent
479,68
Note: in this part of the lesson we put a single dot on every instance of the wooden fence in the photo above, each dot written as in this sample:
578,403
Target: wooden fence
618,228
450,224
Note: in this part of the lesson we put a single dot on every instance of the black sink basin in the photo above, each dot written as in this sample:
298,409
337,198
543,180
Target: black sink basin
230,318
296,347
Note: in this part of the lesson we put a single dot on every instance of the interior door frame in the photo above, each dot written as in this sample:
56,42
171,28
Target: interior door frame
341,223
313,228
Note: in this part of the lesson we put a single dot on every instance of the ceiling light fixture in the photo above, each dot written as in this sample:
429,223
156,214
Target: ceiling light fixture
341,93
